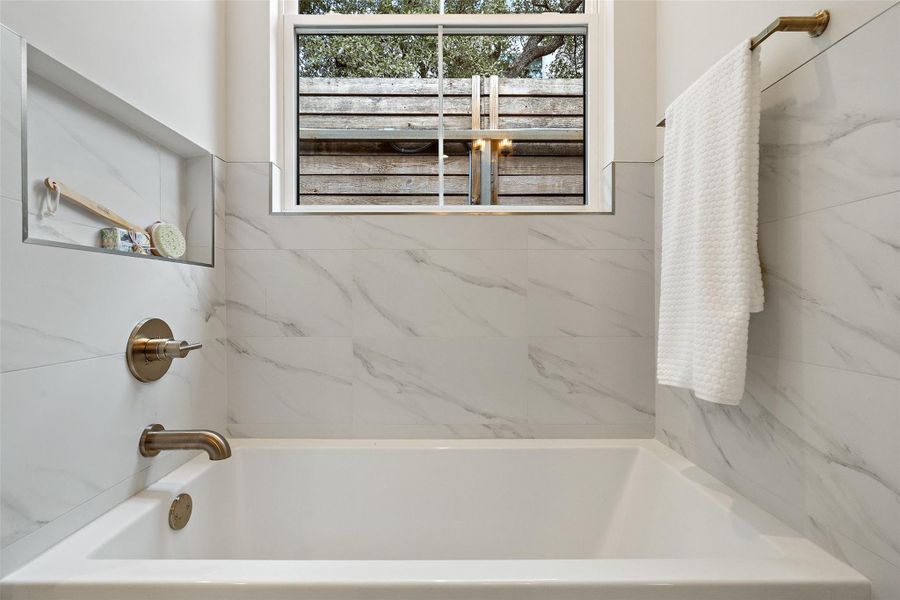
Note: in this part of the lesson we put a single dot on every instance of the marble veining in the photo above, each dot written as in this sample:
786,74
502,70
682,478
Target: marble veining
830,132
289,379
631,227
794,433
832,275
439,293
452,232
445,319
88,150
289,292
583,380
48,475
444,381
37,324
51,300
95,155
250,226
814,439
590,293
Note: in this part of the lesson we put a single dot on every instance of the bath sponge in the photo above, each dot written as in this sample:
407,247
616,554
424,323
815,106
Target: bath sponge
167,240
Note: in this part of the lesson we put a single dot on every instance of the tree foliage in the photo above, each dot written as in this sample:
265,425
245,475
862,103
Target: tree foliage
415,56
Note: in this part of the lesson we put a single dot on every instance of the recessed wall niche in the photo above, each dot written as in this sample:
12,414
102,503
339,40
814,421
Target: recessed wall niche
98,146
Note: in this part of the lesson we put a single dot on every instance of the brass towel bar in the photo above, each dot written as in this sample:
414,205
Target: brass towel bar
814,26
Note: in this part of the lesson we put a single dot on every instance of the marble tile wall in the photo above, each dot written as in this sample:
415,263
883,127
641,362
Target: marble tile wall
440,326
98,156
815,438
72,413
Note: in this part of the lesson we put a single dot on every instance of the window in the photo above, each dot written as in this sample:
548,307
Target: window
421,112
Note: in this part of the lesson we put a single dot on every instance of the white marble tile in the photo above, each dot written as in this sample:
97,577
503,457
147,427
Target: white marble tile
10,115
631,227
249,224
288,430
175,175
821,439
832,280
404,381
830,131
436,432
289,292
440,232
58,305
92,153
439,293
590,293
97,156
674,412
196,207
290,380
814,439
884,575
49,473
450,431
847,423
220,196
590,380
46,469
194,393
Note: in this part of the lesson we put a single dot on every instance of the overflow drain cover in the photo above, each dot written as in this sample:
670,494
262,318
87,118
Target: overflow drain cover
180,511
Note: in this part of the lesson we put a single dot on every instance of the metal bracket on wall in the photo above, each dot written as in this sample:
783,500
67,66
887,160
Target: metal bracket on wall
484,162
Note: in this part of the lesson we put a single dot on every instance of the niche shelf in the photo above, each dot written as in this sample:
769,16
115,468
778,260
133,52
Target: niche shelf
78,133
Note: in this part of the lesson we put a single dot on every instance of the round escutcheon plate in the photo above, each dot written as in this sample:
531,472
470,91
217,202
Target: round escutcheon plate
140,366
180,511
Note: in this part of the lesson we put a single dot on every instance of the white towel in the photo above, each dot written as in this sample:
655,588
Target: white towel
710,276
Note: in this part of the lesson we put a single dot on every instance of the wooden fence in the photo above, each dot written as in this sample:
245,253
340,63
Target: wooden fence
403,169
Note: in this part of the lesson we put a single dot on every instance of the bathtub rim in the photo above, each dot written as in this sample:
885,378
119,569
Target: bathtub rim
804,564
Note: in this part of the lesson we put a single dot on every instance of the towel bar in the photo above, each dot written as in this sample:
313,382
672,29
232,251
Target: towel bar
814,26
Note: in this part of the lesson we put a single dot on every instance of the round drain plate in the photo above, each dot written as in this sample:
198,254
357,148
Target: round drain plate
180,511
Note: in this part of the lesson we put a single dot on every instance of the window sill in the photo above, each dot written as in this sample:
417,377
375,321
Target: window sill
445,210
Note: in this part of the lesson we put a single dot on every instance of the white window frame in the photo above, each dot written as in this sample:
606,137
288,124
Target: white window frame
285,200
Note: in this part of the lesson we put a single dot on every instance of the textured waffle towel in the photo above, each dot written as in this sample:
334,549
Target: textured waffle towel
710,278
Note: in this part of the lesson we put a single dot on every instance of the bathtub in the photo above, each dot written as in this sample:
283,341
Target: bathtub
448,520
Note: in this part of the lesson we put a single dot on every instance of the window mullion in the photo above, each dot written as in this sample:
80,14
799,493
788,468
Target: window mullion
440,83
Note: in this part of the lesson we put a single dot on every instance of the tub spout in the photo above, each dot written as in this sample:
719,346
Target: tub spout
156,438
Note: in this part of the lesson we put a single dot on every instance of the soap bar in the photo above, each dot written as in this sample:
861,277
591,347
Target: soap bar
123,240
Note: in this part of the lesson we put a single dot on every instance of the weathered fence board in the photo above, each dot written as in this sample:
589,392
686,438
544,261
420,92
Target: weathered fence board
370,199
432,200
428,184
363,147
428,105
378,171
363,122
523,200
427,164
429,87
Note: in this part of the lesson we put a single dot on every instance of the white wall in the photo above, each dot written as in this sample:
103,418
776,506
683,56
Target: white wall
166,58
252,92
691,35
634,79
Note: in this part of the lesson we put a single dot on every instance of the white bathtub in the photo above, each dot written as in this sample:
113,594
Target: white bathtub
474,520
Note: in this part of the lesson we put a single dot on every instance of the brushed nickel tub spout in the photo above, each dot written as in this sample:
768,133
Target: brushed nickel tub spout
155,438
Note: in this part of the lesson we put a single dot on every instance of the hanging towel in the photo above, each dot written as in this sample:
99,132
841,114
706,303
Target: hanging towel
710,278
